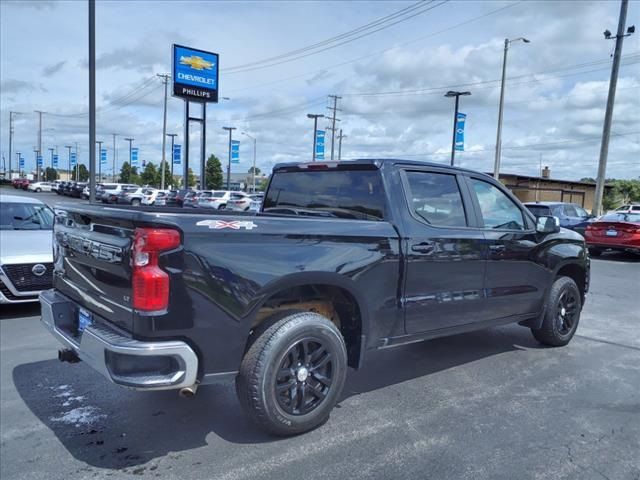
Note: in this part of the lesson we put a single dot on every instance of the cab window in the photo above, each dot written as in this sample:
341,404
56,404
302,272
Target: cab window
498,210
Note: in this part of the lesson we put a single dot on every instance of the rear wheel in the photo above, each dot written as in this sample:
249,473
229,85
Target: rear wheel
562,314
135,202
292,375
222,207
38,190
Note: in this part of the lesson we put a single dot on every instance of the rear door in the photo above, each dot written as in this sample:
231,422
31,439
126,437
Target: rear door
514,283
444,261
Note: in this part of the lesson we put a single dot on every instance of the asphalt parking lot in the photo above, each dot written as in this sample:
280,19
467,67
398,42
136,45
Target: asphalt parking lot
485,405
50,198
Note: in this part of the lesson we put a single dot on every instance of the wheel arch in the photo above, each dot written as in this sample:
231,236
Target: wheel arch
315,291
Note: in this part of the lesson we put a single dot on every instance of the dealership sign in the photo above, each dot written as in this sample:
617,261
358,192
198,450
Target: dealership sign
177,149
235,151
460,121
195,74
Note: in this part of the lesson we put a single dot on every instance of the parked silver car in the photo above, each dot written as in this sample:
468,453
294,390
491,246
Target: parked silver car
26,257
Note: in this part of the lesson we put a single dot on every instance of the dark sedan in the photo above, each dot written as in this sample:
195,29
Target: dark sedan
571,216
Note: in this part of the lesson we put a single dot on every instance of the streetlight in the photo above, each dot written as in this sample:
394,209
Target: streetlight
230,129
253,176
457,95
315,130
496,166
130,140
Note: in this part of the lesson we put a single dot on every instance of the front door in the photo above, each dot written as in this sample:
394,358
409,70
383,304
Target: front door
515,281
444,259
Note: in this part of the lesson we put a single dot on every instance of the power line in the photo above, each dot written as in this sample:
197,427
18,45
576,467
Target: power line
241,70
379,52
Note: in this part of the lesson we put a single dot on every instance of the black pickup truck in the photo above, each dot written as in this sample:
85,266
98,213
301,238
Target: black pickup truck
344,258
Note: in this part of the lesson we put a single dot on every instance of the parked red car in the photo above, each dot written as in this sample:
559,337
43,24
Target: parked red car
616,231
22,183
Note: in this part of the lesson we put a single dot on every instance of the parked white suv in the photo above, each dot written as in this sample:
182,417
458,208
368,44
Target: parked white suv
216,199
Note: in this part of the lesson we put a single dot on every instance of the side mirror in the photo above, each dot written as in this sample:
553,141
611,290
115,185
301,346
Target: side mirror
547,224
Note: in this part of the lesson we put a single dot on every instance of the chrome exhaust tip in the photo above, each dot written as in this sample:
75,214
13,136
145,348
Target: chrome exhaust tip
188,392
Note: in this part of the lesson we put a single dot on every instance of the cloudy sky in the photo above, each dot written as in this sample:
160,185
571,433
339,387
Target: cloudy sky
392,74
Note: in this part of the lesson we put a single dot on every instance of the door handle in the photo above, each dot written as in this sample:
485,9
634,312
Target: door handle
424,247
497,248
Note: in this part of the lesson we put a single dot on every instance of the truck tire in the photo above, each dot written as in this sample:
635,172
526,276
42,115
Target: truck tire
292,375
561,315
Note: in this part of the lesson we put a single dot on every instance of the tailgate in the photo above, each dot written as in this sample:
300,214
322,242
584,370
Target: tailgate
92,260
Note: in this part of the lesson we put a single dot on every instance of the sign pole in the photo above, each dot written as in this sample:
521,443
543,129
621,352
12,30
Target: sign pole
185,164
203,136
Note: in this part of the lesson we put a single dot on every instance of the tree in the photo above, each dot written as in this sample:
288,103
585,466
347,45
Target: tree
192,179
213,171
50,174
150,175
128,174
263,185
257,170
81,172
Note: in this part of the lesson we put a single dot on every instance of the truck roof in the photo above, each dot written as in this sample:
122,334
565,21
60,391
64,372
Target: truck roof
373,162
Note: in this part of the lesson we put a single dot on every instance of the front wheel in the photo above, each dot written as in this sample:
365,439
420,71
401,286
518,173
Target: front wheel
595,252
135,202
38,190
292,375
222,207
561,315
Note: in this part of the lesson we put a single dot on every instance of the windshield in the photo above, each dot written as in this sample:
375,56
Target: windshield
25,216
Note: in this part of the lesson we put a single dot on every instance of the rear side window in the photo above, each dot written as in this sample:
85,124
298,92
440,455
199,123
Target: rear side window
570,211
498,210
436,198
353,194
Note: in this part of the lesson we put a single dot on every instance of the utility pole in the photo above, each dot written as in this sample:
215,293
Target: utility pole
39,142
11,114
99,160
18,163
340,137
37,152
172,135
457,95
253,176
613,82
113,170
496,165
69,147
315,129
333,121
230,129
165,79
92,101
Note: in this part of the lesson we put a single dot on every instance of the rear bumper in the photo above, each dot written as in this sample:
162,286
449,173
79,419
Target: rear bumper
158,365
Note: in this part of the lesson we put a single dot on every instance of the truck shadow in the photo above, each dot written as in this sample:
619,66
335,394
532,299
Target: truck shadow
109,427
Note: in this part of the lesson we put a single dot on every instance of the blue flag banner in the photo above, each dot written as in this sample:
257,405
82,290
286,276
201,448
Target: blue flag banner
235,151
21,162
461,119
103,156
177,150
134,157
39,160
55,160
320,144
74,159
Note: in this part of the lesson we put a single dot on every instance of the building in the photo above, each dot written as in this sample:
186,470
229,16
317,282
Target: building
547,189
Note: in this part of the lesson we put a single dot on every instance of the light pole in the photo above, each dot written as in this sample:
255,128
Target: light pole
340,137
45,170
230,129
130,140
457,95
253,176
172,135
11,114
496,165
315,130
165,80
99,142
69,147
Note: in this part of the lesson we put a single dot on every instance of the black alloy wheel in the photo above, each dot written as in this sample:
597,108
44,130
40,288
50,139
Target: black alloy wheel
566,311
305,376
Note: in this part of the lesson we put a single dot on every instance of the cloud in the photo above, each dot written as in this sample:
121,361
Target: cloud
17,86
50,70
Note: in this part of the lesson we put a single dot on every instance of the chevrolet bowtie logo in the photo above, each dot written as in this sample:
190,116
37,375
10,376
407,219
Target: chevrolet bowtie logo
196,62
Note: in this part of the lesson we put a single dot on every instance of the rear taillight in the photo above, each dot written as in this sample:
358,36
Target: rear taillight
150,282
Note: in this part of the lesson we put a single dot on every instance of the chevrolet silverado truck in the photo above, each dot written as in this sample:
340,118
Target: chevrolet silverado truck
343,258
